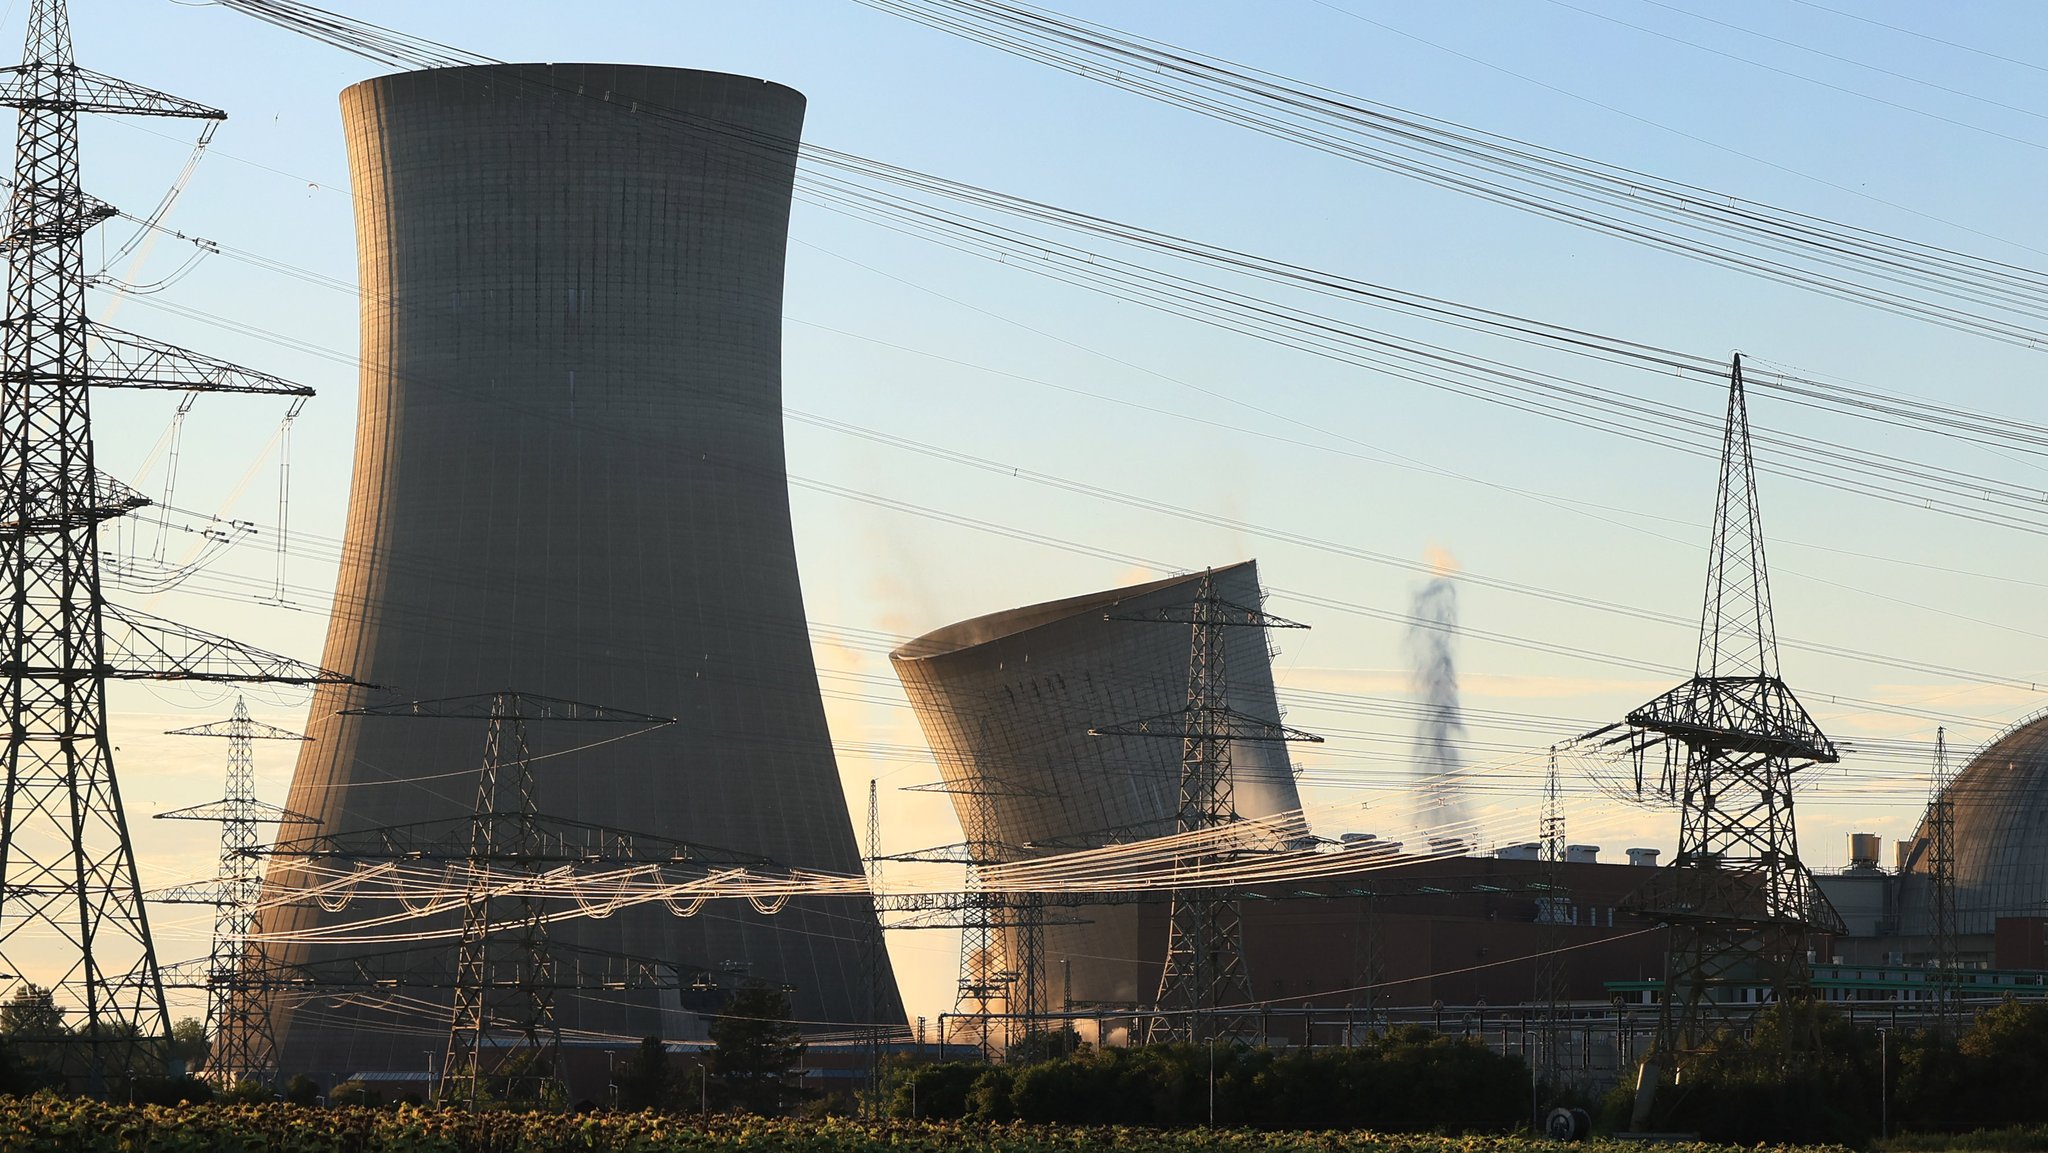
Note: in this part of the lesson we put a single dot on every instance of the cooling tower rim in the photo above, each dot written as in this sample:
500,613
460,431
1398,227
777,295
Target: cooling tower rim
989,628
517,67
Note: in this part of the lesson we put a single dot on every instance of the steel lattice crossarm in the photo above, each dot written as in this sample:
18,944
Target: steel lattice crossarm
555,841
1207,609
508,705
986,787
144,647
117,359
964,915
1755,714
237,728
957,853
1397,887
1104,837
27,86
44,510
1226,724
217,892
1741,899
236,810
433,967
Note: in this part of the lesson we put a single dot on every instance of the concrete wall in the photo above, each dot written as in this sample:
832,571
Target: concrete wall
569,481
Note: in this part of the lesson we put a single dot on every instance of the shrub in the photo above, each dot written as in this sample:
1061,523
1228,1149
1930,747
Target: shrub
1412,1080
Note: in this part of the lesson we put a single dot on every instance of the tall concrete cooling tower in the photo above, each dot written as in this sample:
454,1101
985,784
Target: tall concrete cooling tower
569,481
1006,702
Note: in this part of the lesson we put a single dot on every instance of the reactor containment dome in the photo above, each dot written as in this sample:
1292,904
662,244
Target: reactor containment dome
2000,807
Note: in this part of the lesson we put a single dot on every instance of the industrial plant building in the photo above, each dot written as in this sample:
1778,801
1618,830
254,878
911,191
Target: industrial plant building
569,480
1007,702
2000,806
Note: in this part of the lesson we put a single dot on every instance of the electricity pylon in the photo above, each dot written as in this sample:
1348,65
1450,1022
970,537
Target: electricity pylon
1941,836
1739,904
68,885
505,932
1551,962
989,983
243,1042
872,953
1205,965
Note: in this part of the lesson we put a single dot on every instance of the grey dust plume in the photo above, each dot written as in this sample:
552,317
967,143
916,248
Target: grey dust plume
1436,762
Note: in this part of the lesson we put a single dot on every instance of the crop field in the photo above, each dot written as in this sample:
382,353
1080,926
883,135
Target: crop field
34,1125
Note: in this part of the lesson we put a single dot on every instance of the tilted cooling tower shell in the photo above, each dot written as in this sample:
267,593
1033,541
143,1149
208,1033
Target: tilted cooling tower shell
569,480
1006,702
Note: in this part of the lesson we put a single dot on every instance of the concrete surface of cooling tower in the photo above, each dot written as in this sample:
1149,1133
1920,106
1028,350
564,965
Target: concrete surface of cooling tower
1006,702
569,480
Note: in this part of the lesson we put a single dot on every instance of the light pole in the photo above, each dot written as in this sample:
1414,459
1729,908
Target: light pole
1884,1084
704,1088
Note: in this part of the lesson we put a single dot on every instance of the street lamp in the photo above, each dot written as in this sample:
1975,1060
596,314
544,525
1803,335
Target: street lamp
704,1088
1884,1084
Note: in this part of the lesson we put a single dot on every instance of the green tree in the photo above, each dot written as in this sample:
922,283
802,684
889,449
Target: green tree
1044,1045
32,1026
1804,1074
1988,1078
936,1092
302,1090
250,1093
32,1013
189,1043
755,1051
644,1081
354,1093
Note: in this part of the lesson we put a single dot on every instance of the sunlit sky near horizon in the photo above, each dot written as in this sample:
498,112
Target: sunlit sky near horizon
1781,101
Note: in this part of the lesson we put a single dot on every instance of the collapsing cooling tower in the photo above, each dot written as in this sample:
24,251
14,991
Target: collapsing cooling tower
569,481
1006,702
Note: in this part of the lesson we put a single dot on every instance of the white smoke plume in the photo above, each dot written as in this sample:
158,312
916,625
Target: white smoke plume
1433,682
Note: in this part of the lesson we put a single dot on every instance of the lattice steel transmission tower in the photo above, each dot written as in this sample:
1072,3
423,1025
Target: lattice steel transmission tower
1205,965
1941,852
68,885
244,1044
988,977
1739,904
872,954
1002,933
1555,912
505,931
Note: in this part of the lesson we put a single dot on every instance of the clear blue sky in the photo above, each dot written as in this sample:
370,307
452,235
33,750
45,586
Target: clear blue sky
1776,100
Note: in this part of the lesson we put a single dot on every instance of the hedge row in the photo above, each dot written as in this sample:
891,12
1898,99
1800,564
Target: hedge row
40,1124
1408,1081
